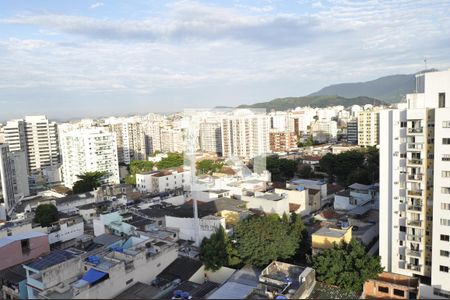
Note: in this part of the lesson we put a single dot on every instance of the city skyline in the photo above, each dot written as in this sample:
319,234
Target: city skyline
86,58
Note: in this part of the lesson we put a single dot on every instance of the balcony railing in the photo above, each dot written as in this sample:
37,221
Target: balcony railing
416,223
415,207
415,130
415,193
414,267
415,161
416,253
414,238
415,177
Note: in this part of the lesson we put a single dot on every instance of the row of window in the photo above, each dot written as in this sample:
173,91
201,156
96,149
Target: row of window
397,292
443,268
445,222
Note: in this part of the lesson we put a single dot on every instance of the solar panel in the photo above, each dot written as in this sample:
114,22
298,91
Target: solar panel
54,258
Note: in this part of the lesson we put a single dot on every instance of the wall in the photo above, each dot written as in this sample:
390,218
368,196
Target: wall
268,206
326,242
11,254
66,233
186,226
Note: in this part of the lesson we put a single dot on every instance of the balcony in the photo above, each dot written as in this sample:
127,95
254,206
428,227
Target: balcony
414,267
415,193
414,238
415,130
415,223
416,253
415,146
416,177
414,207
415,162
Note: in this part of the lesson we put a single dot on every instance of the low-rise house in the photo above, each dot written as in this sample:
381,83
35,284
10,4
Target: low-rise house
162,181
22,247
309,184
327,237
239,286
13,283
391,286
272,203
285,280
356,195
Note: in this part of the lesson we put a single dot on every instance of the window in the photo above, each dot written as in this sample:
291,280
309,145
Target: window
383,289
403,124
402,228
443,269
445,174
445,190
446,141
445,157
445,253
441,99
129,281
399,293
445,222
445,238
25,244
445,124
445,206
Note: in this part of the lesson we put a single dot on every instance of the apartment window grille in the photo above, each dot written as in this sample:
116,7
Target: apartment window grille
445,124
399,293
445,222
383,289
445,174
445,238
443,269
441,99
445,253
445,157
445,190
446,141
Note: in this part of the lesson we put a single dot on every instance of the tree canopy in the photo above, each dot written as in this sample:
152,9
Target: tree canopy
217,251
171,161
347,266
46,214
282,169
88,182
263,239
352,166
137,166
207,166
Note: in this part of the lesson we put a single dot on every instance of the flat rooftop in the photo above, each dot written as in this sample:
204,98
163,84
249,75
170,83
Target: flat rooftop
331,232
271,196
53,258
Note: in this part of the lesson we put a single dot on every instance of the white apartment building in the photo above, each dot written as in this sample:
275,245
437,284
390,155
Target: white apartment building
172,140
245,134
415,186
130,139
324,130
89,150
301,118
162,181
38,137
152,131
210,135
368,127
279,121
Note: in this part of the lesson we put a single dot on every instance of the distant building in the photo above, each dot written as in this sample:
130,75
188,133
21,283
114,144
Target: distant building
210,135
172,140
162,181
352,132
368,127
325,238
7,199
89,150
324,130
282,141
130,139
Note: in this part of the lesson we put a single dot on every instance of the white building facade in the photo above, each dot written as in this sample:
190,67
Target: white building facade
89,150
415,185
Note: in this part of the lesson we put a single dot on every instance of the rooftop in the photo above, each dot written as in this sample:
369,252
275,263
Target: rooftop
398,279
139,290
271,196
53,258
21,236
331,232
182,268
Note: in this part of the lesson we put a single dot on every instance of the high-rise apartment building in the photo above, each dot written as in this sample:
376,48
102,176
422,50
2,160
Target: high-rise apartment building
368,127
282,141
152,131
210,135
324,130
130,141
415,185
352,132
38,137
172,140
89,150
245,134
6,180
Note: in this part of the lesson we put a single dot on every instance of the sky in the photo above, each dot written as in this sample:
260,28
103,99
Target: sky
68,59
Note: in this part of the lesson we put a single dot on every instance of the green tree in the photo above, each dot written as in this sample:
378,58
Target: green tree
347,266
263,239
137,166
304,171
171,161
208,166
281,169
88,182
217,251
46,214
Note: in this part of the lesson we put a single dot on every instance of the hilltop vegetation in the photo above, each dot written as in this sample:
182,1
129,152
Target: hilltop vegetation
314,101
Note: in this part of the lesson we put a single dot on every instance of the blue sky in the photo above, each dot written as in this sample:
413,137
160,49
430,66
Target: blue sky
94,58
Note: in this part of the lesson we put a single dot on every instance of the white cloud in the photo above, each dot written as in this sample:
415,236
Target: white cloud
97,4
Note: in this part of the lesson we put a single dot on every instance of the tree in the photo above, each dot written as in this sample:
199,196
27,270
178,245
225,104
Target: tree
171,161
347,266
137,166
217,251
281,168
305,171
342,165
263,239
88,182
207,166
46,214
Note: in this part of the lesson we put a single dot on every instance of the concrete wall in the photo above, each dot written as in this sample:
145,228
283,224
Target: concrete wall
268,206
186,226
66,233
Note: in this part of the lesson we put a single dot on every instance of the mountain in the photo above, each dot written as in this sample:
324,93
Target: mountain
391,88
315,101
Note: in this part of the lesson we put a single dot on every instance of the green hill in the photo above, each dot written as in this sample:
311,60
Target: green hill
314,101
